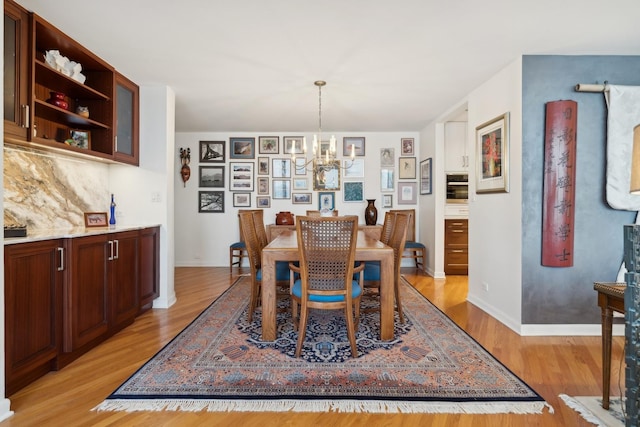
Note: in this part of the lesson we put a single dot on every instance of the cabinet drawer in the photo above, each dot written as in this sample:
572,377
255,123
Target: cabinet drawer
457,238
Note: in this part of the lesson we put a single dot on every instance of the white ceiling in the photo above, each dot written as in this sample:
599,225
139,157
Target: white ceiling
249,65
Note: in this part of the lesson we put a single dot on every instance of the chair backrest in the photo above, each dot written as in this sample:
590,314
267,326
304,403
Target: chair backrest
240,224
261,231
327,247
251,241
387,227
411,229
398,239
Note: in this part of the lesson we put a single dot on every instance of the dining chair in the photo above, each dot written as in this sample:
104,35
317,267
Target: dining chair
412,248
239,249
397,239
254,245
326,247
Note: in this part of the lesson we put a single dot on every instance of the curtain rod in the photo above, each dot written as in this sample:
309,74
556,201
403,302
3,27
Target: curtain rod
582,87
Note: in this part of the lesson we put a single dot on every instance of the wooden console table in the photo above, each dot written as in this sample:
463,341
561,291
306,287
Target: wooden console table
610,299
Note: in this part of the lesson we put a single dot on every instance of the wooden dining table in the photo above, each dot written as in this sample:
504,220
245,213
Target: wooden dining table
285,248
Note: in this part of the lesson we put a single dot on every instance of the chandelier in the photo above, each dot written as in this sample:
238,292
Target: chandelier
324,155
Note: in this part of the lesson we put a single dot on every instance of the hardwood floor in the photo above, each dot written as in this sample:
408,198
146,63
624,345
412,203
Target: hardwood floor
550,365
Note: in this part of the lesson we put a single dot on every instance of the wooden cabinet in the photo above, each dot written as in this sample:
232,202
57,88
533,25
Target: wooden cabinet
456,246
17,68
127,120
149,267
33,297
124,262
456,147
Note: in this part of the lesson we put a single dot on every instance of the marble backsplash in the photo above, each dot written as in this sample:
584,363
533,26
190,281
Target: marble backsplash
48,191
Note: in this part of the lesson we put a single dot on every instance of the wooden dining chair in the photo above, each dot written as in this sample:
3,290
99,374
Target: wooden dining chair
412,248
397,239
326,247
238,250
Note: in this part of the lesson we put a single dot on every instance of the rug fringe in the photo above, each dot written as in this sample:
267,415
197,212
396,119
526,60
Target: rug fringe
290,405
579,408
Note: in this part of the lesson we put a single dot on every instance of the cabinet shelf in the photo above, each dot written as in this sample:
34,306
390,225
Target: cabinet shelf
51,112
47,76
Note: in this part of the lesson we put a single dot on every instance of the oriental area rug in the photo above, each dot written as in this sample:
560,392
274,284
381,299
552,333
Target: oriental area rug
219,363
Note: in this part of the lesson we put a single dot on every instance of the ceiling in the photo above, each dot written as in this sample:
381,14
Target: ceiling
249,65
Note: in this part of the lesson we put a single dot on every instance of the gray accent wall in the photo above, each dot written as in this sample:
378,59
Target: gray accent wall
565,295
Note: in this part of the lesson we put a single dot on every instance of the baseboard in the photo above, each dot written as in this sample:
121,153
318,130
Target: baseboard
569,330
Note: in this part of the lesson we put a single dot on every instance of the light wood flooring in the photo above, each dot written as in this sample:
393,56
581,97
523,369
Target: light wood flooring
550,365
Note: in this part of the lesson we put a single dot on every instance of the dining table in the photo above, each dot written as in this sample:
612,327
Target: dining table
285,248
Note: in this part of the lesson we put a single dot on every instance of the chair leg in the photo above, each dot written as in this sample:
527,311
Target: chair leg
302,329
351,331
253,303
396,289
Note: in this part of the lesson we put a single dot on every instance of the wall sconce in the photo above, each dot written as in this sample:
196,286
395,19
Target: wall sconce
185,158
635,162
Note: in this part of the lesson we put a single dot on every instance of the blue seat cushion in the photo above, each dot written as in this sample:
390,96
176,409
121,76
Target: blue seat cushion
282,271
414,245
372,270
237,245
297,291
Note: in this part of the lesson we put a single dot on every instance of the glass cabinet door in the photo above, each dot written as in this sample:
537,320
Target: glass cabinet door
127,121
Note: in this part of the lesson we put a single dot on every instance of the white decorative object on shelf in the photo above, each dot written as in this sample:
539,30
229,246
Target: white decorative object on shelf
55,60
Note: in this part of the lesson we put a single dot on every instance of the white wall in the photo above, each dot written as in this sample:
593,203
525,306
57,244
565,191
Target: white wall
203,239
495,220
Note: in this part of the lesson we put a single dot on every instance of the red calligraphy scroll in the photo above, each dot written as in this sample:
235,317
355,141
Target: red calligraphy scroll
559,183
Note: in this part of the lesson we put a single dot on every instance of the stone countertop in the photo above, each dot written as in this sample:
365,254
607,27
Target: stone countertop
70,233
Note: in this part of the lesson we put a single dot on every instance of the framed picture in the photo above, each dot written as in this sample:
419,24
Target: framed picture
326,200
240,176
406,147
281,189
386,180
212,151
406,168
492,156
301,166
387,200
211,176
425,176
300,184
353,168
211,201
80,138
263,202
241,200
96,219
263,185
353,191
355,143
327,177
263,166
242,148
293,145
387,156
407,193
281,168
301,198
268,144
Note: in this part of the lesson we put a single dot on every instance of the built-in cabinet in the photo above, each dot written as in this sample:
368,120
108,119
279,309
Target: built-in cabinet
65,296
43,101
456,246
456,147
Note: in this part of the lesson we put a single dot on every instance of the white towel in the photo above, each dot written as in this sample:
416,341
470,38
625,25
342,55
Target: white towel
624,115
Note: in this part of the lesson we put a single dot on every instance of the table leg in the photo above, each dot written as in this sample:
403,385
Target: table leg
386,297
268,297
607,320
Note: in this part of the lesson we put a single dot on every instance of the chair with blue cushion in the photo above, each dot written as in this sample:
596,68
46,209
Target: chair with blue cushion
327,247
239,249
412,248
251,232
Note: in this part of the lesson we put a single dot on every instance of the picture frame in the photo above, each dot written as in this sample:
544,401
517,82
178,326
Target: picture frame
263,202
241,176
293,145
406,168
353,168
357,142
242,148
212,151
300,184
281,168
387,200
425,176
386,179
407,193
211,176
301,198
300,166
80,138
492,155
281,189
263,166
268,144
241,200
407,147
326,200
263,185
211,201
96,219
327,177
353,191
387,156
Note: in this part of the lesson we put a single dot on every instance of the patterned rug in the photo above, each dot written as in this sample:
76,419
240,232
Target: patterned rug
220,363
